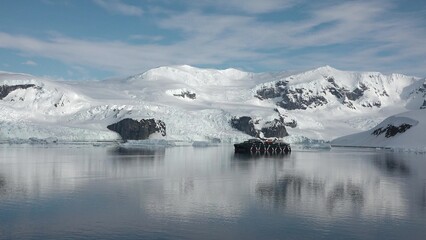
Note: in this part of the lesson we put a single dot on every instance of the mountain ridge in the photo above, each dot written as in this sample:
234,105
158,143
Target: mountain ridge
198,104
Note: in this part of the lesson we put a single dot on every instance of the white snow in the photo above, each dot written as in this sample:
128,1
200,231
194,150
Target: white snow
80,111
414,138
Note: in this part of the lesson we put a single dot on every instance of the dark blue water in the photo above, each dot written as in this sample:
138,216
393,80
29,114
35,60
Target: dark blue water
84,192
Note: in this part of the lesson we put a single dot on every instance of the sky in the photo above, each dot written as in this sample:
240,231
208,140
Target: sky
97,39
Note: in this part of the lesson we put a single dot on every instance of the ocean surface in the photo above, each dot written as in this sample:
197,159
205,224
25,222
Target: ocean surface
111,192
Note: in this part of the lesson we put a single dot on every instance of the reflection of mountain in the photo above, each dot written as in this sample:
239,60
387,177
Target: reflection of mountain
293,189
288,186
348,192
2,184
186,182
369,184
390,164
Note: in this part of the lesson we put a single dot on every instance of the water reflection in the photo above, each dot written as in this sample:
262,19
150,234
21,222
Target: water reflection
286,187
345,193
253,156
126,155
423,201
2,185
299,188
391,164
186,192
345,184
138,151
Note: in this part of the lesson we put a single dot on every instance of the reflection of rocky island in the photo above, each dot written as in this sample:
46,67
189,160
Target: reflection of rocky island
138,151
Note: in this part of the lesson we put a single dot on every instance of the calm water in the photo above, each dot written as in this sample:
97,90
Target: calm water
79,192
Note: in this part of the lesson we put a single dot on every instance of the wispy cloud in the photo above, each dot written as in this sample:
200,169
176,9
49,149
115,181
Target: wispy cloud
118,7
114,56
248,6
29,63
151,38
359,35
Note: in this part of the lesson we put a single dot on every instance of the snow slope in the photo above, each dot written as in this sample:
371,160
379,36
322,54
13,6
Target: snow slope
197,104
409,130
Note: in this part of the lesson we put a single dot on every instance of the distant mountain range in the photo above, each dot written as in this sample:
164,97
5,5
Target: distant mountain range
199,104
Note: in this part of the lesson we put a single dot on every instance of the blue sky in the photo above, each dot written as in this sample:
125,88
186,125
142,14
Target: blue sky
96,39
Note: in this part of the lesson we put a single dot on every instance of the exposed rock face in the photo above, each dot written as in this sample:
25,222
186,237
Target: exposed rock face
424,105
270,129
186,94
275,128
293,98
244,124
5,89
391,130
291,123
130,129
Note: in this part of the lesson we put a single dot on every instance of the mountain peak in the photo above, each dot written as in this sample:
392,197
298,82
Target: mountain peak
326,68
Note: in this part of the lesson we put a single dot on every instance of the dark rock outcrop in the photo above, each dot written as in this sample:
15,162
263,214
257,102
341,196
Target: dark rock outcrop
296,100
391,130
272,92
130,129
373,104
5,89
274,128
291,98
186,94
291,123
245,124
424,105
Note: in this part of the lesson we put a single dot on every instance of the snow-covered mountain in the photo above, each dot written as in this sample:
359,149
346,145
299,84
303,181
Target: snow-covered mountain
327,102
199,104
405,130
